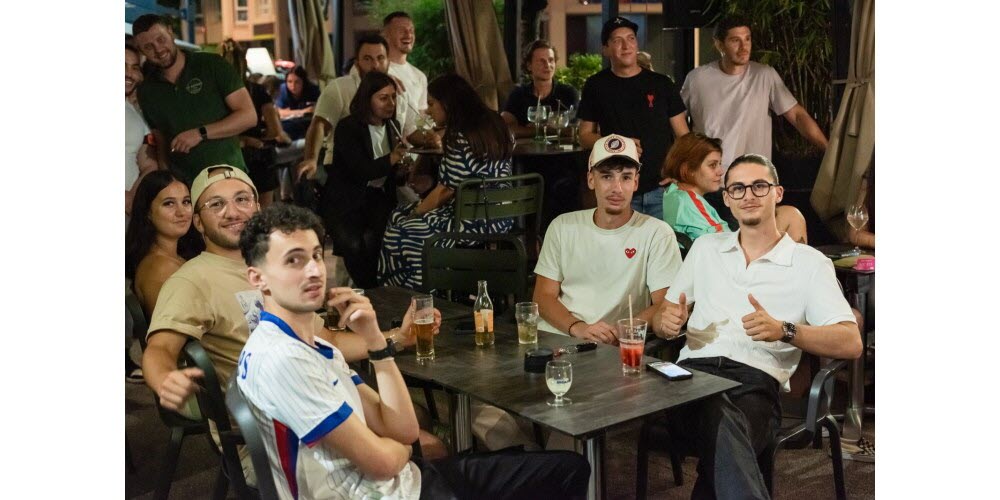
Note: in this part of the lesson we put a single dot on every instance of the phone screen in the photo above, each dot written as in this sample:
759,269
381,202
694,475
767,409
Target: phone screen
670,370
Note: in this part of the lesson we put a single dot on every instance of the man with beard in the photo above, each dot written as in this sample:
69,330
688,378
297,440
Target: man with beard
593,260
139,159
759,299
195,103
209,298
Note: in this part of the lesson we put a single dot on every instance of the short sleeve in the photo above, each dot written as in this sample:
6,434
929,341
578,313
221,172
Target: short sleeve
183,308
685,91
548,258
781,99
675,105
826,304
227,78
309,402
454,167
588,101
684,281
664,259
329,104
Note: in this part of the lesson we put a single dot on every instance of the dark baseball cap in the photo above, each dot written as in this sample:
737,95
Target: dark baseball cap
615,23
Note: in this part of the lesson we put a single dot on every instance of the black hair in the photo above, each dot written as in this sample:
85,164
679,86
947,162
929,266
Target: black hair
284,217
393,15
361,105
129,46
141,233
300,71
370,39
755,159
468,115
615,163
146,21
727,24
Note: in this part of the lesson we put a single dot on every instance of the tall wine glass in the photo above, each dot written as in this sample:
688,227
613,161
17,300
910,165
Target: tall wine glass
857,217
538,115
559,378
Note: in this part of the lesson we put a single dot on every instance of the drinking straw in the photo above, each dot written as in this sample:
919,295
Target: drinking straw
630,325
398,133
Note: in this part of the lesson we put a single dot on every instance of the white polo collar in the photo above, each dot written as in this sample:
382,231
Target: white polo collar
781,254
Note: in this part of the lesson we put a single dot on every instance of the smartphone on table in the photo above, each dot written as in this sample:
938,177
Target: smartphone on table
669,370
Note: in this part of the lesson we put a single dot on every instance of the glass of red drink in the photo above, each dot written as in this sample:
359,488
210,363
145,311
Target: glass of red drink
631,341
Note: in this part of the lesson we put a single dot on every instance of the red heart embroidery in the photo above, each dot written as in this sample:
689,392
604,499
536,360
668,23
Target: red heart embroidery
630,252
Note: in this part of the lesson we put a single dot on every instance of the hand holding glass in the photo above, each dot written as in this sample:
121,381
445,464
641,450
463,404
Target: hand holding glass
559,378
332,321
423,326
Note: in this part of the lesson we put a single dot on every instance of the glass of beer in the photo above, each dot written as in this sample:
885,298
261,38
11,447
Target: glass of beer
526,314
631,341
423,326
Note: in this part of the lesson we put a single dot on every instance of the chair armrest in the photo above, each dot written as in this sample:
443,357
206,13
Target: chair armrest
821,383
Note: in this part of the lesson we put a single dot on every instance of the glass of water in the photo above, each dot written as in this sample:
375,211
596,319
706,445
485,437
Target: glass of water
538,115
559,378
526,314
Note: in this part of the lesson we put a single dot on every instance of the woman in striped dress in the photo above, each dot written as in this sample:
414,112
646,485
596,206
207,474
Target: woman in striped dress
477,144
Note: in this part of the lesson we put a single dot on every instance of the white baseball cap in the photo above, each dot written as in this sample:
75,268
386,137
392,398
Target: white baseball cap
613,146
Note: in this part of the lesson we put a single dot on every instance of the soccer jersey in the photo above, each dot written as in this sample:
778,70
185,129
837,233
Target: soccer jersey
298,394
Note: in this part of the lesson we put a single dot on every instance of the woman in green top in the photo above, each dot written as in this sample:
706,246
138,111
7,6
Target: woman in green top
695,164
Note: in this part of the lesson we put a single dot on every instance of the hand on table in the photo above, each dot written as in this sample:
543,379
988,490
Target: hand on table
760,326
185,141
599,332
178,386
672,318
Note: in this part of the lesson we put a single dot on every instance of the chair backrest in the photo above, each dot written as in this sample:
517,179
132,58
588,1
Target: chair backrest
240,410
684,242
139,325
500,198
504,267
213,406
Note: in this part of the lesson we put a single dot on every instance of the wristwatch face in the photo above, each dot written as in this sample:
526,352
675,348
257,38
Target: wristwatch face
789,330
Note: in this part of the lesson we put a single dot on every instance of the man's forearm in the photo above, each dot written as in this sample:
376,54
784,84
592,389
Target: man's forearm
808,128
838,341
555,313
232,125
396,407
318,129
157,362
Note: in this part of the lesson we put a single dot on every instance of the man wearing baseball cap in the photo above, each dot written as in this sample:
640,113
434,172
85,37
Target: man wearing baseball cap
593,260
210,299
628,100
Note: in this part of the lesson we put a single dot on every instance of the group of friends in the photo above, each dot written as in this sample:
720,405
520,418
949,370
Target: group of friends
208,263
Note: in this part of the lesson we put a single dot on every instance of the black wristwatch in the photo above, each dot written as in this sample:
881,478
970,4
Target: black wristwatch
388,352
204,132
789,329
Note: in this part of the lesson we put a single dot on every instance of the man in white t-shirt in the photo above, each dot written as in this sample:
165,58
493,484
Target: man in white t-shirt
593,261
327,433
398,29
139,158
759,300
730,98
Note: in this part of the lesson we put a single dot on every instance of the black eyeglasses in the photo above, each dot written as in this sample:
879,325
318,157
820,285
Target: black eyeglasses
759,188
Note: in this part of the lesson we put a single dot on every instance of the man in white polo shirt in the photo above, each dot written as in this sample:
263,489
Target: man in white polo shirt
327,433
593,261
759,300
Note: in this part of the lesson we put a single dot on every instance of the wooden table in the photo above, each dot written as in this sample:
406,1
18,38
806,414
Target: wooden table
602,396
857,285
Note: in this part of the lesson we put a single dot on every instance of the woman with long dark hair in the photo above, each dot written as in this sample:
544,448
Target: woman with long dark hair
477,144
159,237
361,187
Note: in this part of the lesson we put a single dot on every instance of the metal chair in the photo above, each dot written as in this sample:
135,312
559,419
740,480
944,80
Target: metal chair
798,436
213,407
244,418
180,426
518,197
499,259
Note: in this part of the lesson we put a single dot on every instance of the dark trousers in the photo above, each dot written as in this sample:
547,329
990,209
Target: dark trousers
357,236
729,431
504,474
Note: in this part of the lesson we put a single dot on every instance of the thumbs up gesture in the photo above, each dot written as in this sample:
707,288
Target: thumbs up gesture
672,317
759,325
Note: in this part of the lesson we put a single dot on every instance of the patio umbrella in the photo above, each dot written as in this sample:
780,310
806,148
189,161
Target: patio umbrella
309,37
478,50
852,136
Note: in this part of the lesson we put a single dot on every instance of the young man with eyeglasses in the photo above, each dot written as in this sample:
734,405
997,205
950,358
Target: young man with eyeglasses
759,299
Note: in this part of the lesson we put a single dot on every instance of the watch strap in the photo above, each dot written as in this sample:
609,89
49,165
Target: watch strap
387,352
204,132
789,330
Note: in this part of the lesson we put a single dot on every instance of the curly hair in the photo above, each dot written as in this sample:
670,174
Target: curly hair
255,237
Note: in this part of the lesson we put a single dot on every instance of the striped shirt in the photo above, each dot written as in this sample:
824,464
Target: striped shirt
688,213
298,394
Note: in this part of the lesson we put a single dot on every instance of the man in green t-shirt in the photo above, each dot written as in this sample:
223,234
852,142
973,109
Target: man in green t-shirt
195,104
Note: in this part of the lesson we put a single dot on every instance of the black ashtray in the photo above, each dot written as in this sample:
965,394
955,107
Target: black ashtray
535,360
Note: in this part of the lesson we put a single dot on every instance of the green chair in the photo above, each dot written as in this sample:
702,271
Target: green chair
500,259
518,197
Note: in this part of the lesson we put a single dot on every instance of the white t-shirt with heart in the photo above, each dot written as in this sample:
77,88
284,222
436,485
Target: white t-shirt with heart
598,268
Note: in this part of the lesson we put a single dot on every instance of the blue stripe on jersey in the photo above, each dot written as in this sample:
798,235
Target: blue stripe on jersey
328,424
357,380
280,323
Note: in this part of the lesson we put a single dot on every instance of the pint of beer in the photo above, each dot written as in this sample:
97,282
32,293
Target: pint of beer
423,326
